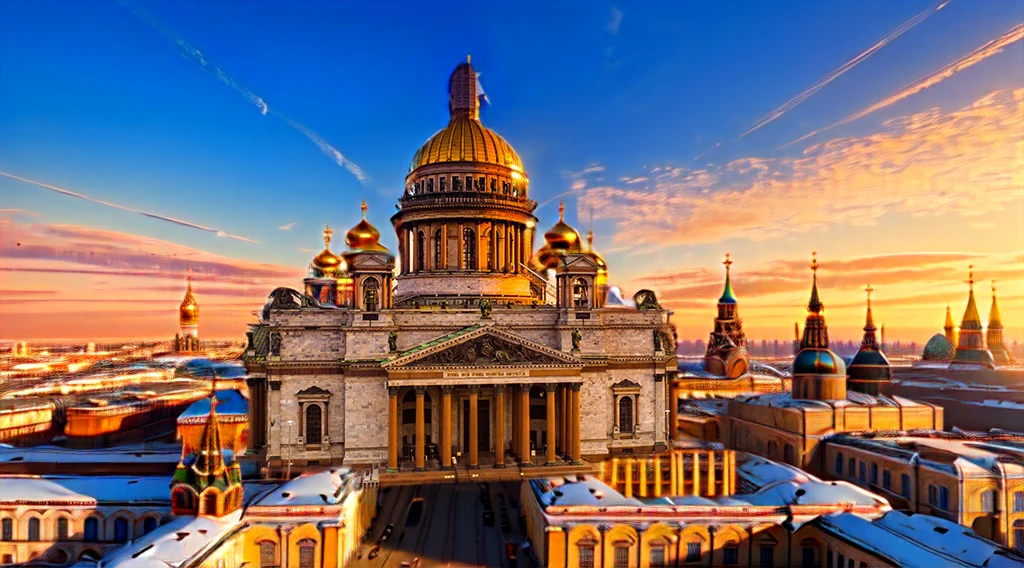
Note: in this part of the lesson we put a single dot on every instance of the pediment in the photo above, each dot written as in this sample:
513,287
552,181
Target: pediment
625,384
580,262
480,346
313,391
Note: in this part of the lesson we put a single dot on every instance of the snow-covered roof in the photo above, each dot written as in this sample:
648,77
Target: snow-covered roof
171,545
971,454
694,368
919,540
762,471
85,489
310,489
853,398
578,490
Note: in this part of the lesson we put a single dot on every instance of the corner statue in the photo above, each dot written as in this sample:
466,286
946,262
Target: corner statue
392,341
485,309
576,337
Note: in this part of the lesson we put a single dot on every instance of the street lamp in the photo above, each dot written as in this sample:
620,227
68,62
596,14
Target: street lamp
288,475
668,426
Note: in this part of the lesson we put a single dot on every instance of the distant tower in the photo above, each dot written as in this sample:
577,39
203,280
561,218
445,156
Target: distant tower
818,373
950,328
971,350
870,367
994,335
726,354
883,346
187,339
206,482
796,338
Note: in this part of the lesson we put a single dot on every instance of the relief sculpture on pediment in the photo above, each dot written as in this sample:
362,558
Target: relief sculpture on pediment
487,350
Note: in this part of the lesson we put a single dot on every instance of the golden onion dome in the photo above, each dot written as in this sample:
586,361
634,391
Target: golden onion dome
364,237
544,259
188,312
562,237
465,139
327,262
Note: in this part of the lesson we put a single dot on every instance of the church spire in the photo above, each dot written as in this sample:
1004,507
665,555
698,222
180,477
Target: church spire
728,296
815,330
971,319
210,461
995,320
870,341
815,306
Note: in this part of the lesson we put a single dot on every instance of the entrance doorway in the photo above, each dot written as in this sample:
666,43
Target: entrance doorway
483,420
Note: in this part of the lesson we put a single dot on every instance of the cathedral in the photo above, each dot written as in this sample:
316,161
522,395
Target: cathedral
973,346
470,344
187,338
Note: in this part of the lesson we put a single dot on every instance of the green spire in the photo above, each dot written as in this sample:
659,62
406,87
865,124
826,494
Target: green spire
728,296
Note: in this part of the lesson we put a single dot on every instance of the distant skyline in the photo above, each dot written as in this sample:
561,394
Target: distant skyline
142,140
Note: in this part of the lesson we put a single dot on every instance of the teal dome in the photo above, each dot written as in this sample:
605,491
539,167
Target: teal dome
938,348
818,362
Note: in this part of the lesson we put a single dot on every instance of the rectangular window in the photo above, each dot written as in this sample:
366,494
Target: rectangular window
307,556
731,555
905,485
933,495
874,474
944,498
657,556
7,529
807,557
693,552
621,557
842,561
851,466
886,479
586,556
767,556
1018,502
863,472
828,559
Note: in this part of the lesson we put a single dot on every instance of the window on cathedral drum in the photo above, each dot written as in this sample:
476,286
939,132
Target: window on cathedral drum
586,559
91,529
268,555
307,553
33,530
580,293
1018,502
314,421
62,528
692,552
730,554
121,530
371,294
621,557
421,250
7,529
626,415
468,249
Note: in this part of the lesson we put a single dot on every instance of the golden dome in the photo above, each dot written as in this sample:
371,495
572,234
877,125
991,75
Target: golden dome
562,237
364,237
327,262
465,139
544,259
188,312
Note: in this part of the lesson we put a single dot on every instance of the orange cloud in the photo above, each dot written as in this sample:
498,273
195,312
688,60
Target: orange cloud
926,163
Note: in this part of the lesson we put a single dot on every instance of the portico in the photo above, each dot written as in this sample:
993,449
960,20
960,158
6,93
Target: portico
516,401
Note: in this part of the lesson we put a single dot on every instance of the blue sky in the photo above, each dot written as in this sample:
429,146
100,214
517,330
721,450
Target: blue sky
95,100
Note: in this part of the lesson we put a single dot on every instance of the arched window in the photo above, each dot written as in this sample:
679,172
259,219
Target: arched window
658,555
580,293
905,485
209,503
586,555
314,420
773,450
33,529
851,467
181,500
886,479
7,530
307,553
863,472
148,525
874,474
988,501
91,529
944,498
121,530
839,463
437,250
621,557
789,454
371,294
421,251
268,554
626,415
62,528
468,249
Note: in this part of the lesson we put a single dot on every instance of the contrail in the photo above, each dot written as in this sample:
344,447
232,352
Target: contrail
218,232
190,52
705,152
977,56
837,72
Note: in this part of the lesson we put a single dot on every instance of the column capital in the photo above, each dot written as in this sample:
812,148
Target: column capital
420,391
447,390
499,389
575,387
392,391
550,387
525,387
474,389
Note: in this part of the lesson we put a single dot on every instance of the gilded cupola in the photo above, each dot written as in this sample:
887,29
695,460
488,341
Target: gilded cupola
328,263
188,312
364,237
465,139
561,237
818,373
